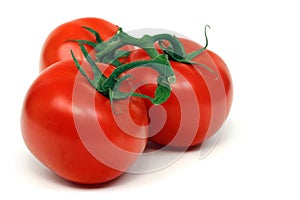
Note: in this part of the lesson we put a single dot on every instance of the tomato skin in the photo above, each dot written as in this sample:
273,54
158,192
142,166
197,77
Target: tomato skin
63,135
212,59
196,96
58,45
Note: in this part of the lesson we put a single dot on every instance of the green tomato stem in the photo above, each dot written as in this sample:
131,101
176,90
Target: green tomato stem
108,52
109,86
146,42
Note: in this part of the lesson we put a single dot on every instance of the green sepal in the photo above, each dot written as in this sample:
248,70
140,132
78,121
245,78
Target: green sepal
121,54
194,54
174,52
98,76
115,92
205,67
78,65
162,92
87,42
114,60
95,33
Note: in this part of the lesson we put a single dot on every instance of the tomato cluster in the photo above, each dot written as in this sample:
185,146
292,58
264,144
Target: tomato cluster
93,107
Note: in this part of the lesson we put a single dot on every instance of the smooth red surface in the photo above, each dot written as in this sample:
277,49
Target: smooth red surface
58,44
200,101
73,130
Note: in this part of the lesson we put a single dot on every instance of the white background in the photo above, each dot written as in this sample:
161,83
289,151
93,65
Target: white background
257,156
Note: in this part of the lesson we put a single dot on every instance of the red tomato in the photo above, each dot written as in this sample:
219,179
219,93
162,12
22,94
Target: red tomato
58,44
73,130
199,103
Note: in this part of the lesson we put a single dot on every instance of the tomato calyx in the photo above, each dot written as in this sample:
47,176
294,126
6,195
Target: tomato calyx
112,58
170,45
181,57
146,42
110,52
109,86
184,57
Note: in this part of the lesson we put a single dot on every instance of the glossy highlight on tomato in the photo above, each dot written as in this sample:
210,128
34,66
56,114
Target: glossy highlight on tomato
75,131
199,103
61,40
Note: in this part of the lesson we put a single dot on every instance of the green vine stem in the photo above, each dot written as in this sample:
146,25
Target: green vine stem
106,49
109,51
146,42
108,86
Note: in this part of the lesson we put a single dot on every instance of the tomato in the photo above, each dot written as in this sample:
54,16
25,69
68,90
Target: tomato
76,132
58,44
199,103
